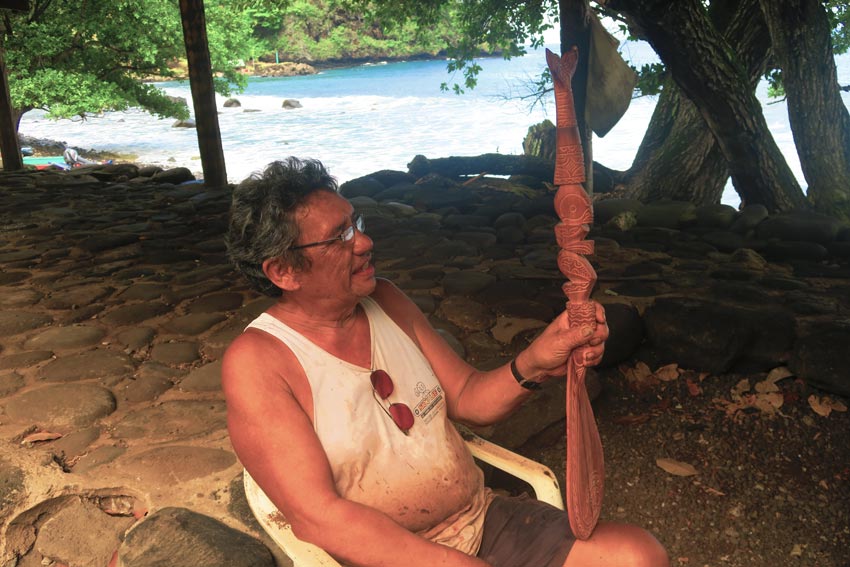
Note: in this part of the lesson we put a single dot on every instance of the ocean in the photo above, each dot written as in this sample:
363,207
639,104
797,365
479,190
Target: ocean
378,116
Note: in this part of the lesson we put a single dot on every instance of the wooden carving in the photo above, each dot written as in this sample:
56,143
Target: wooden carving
585,464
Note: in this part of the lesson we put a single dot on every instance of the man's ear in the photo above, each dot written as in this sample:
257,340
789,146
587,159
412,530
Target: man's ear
281,274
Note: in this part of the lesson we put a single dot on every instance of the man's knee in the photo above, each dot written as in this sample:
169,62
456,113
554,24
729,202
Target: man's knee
618,545
644,550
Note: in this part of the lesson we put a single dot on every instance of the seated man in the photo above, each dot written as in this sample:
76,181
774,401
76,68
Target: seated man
340,398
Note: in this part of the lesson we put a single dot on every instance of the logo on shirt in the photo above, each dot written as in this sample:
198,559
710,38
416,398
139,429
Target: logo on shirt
429,401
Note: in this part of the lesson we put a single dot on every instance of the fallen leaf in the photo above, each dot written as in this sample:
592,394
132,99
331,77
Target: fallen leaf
40,436
677,468
693,388
774,376
668,373
632,419
740,389
825,405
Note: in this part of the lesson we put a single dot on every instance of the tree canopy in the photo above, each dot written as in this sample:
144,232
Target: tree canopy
73,58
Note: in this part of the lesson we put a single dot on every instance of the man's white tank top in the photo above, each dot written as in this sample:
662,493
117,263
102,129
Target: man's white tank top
427,480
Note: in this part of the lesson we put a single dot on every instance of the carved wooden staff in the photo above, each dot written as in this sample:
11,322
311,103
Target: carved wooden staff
585,466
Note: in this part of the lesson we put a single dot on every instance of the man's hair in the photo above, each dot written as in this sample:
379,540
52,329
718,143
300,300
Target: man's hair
262,217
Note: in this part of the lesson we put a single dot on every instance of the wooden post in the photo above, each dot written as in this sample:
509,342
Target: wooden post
203,94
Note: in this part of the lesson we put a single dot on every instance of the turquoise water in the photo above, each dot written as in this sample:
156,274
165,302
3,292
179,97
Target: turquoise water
371,117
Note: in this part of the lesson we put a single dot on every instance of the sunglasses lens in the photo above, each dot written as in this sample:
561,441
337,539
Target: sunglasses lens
402,416
382,383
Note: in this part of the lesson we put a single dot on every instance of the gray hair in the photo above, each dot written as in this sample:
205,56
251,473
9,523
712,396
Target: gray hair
262,217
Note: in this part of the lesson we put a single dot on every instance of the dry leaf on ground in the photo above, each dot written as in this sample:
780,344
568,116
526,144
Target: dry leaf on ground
825,405
769,384
677,468
40,436
668,373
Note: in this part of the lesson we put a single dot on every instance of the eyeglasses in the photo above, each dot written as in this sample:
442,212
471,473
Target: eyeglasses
382,385
346,235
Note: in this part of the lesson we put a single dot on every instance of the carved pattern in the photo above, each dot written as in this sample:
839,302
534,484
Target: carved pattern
585,464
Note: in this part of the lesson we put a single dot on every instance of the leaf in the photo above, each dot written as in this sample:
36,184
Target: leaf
668,373
769,402
40,436
825,405
774,376
677,468
632,419
693,388
740,389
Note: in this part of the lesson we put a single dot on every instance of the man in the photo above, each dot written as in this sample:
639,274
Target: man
340,398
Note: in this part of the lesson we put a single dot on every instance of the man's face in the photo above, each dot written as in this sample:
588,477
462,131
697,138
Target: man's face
339,269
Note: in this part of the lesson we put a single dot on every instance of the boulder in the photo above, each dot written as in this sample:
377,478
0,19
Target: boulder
232,103
822,358
800,226
290,103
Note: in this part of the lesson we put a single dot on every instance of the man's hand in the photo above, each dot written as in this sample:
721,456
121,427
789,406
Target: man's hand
549,353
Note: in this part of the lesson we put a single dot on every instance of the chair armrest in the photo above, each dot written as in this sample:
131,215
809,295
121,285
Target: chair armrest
540,477
303,554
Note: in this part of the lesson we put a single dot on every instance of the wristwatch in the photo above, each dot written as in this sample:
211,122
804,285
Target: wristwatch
525,383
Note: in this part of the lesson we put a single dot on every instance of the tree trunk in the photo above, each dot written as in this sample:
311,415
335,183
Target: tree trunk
203,94
575,31
819,120
10,149
679,158
700,62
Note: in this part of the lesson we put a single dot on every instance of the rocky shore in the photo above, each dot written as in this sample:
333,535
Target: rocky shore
118,302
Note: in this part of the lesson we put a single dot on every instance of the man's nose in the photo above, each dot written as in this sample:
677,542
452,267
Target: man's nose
362,242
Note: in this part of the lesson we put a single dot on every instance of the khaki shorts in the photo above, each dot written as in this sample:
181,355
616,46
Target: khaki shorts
523,532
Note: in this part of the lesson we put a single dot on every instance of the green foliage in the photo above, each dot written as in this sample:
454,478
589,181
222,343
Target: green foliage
82,57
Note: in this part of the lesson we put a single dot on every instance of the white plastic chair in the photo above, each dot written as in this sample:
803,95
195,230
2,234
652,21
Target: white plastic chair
304,554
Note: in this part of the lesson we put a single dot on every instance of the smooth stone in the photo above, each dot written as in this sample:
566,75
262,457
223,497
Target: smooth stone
748,259
606,209
510,235
194,324
82,295
75,443
367,186
507,328
17,322
698,335
626,333
194,290
216,303
147,385
178,352
795,250
60,536
782,283
667,214
10,383
18,297
425,302
98,457
725,241
135,313
442,252
143,291
509,219
101,242
716,216
207,378
24,359
524,308
176,464
466,282
61,406
466,313
749,218
12,484
800,226
13,277
822,359
177,537
481,346
623,221
136,338
72,336
173,420
107,365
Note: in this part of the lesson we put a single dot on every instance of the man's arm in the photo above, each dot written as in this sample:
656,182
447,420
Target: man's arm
275,441
485,397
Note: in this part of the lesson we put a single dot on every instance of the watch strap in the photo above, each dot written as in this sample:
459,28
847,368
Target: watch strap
525,383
